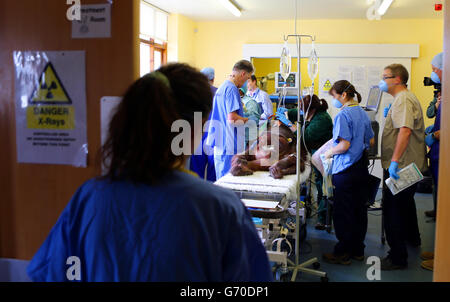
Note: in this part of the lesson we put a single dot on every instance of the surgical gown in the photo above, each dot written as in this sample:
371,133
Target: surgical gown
222,134
183,229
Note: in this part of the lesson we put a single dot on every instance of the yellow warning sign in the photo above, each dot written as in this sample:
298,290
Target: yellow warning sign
51,117
327,86
50,106
50,89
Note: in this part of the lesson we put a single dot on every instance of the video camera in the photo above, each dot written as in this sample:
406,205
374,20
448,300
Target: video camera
429,82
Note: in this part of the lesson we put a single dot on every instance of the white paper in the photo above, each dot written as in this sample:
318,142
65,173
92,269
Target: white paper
408,177
95,22
359,77
260,204
344,73
374,75
107,109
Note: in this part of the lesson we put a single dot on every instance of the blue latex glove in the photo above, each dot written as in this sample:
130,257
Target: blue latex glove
282,118
429,140
429,129
393,169
386,110
282,110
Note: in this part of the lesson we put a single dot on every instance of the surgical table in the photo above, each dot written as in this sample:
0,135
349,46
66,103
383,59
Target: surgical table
271,200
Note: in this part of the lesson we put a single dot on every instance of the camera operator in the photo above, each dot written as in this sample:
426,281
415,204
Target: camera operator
432,140
433,132
434,104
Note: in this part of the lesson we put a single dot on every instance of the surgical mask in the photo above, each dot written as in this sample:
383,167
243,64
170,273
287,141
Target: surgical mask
337,104
383,86
435,78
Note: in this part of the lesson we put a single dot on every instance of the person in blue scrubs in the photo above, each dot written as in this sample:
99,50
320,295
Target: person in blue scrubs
352,136
148,218
433,135
261,97
226,117
432,139
200,162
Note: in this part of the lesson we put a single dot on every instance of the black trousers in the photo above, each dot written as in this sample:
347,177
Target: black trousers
400,221
350,208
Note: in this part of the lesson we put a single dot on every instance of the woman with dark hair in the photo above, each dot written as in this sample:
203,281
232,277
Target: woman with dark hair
352,136
148,218
318,130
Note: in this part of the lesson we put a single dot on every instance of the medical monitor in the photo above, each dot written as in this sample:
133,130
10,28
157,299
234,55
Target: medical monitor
291,82
374,99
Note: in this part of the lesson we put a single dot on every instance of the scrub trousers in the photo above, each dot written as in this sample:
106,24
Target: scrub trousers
203,164
350,209
222,164
400,222
434,167
321,200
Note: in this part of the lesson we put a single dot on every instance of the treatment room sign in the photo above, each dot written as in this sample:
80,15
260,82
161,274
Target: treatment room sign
50,98
95,22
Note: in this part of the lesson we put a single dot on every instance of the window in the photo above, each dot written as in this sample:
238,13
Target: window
153,38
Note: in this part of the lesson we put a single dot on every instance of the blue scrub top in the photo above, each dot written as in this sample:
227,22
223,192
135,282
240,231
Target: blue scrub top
226,100
352,124
434,150
183,229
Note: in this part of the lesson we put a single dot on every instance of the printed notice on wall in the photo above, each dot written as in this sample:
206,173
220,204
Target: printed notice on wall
108,106
95,22
50,98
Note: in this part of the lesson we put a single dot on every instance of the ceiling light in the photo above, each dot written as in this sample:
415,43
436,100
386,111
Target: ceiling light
384,7
231,7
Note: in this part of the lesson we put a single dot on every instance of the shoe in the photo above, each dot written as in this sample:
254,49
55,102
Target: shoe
320,226
387,265
357,258
337,259
427,256
431,214
428,264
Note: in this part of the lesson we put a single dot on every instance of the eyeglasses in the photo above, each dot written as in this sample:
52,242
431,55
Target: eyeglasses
391,77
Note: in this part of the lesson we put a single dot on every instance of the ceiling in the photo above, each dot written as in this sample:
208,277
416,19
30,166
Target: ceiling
212,10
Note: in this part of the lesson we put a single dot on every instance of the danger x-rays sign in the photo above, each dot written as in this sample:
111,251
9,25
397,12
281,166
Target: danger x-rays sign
50,97
50,105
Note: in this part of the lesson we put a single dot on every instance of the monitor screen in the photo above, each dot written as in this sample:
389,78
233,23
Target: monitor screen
290,82
374,98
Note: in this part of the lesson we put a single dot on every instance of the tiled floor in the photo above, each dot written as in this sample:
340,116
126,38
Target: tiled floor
319,242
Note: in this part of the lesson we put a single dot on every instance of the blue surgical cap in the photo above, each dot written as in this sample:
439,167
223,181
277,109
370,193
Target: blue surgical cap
209,73
438,61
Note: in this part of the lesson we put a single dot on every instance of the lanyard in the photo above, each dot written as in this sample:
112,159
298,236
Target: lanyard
255,94
352,104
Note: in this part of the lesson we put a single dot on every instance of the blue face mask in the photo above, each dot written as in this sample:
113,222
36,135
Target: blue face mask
337,104
435,78
383,86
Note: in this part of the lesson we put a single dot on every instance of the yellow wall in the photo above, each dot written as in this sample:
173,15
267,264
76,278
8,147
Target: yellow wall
219,44
180,46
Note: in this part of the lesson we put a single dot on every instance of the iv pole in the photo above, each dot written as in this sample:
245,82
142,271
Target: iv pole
296,267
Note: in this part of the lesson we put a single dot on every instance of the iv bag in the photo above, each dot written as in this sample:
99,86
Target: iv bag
313,63
285,62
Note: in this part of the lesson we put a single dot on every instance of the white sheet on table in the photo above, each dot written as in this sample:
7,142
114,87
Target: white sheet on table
262,182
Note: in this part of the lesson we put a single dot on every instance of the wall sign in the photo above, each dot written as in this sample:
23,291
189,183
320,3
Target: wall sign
95,22
50,98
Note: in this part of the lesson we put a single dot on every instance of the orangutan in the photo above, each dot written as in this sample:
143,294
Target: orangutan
285,160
